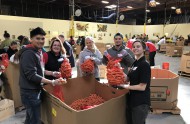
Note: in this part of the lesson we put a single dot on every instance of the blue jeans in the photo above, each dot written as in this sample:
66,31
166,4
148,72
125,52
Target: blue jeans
31,100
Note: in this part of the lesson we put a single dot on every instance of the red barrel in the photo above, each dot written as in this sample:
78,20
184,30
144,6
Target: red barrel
165,65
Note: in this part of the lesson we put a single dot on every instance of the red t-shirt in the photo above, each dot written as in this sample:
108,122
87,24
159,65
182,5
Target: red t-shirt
151,46
130,43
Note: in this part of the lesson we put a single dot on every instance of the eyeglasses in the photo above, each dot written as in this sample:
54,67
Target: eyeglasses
38,38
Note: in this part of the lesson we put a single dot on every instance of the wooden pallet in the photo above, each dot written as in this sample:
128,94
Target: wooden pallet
173,55
184,74
175,111
18,109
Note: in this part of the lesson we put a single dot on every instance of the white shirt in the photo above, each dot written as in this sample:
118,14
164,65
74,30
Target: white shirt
162,41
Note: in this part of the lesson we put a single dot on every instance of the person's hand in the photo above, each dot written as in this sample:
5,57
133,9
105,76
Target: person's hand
56,74
92,58
125,86
62,81
59,81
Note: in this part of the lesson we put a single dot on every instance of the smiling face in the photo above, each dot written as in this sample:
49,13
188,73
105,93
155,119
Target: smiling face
138,49
89,44
38,41
118,40
56,46
14,47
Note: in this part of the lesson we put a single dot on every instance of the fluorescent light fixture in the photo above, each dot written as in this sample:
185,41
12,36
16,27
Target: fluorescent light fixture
113,6
157,3
130,7
147,10
109,7
105,2
173,7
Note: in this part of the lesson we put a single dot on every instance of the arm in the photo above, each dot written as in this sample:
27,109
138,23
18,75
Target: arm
30,70
128,59
139,87
105,59
98,58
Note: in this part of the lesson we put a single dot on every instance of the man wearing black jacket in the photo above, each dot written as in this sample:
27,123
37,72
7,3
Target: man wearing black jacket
31,76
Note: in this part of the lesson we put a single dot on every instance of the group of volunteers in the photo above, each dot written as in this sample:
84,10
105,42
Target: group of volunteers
38,68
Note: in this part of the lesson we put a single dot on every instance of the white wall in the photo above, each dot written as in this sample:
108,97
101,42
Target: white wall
20,25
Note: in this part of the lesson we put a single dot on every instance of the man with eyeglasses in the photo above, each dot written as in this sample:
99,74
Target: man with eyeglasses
31,76
118,51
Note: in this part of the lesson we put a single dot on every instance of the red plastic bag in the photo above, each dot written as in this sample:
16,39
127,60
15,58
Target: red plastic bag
58,92
66,69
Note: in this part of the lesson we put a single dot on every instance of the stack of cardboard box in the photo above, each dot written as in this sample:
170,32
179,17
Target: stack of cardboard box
185,63
101,47
164,89
12,89
174,50
180,43
112,111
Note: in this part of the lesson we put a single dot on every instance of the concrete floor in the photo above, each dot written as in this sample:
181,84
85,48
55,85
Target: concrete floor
183,99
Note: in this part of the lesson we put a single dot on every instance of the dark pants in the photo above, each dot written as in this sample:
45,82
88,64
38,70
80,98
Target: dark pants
151,58
31,100
137,115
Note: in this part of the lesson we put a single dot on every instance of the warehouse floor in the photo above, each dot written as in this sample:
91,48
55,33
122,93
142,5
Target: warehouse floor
183,99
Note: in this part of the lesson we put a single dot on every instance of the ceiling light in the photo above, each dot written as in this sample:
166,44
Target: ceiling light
152,3
157,3
173,7
105,2
130,7
113,6
109,7
147,10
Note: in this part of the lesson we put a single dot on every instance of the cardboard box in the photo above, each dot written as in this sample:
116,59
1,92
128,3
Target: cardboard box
185,63
103,71
110,112
6,109
101,47
78,49
180,43
164,89
12,89
163,47
174,50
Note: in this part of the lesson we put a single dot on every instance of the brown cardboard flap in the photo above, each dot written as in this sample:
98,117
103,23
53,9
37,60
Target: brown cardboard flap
162,73
77,88
108,93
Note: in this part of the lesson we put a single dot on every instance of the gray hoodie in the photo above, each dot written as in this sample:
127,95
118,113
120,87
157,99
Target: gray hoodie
97,57
124,53
31,72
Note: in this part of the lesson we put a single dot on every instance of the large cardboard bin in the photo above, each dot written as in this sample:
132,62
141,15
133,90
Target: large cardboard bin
185,63
110,112
6,109
12,89
164,89
174,50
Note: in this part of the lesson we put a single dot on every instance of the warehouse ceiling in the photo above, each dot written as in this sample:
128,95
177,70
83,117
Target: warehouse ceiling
96,11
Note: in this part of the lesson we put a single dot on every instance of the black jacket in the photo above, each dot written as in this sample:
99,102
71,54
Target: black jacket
69,52
10,52
30,69
53,64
